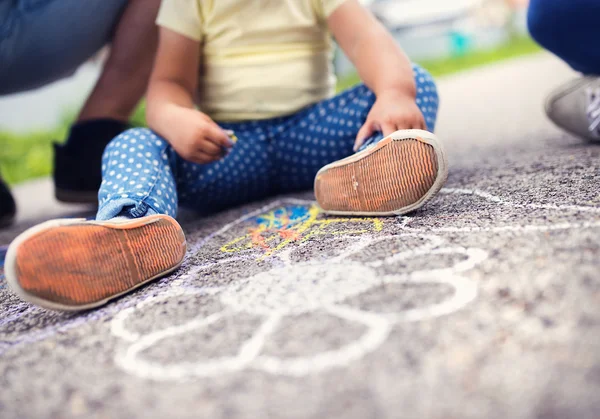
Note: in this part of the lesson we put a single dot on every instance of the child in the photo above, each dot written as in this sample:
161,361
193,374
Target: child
260,71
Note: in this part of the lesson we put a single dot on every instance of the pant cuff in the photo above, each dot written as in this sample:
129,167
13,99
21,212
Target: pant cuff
124,207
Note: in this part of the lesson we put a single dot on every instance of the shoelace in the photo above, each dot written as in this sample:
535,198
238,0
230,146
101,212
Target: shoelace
593,109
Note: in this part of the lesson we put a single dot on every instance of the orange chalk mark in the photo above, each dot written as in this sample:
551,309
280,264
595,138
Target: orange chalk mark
257,238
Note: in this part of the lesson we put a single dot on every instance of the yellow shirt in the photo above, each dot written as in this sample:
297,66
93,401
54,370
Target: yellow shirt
260,58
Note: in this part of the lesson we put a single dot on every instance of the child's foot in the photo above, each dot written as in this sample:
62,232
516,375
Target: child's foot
575,107
396,175
77,264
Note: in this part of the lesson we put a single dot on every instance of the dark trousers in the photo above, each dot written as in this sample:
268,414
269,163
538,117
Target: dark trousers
570,29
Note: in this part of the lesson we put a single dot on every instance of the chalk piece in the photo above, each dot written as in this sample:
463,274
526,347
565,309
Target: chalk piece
231,135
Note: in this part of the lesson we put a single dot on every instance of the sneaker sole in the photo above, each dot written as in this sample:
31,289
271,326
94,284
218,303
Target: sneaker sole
73,265
396,176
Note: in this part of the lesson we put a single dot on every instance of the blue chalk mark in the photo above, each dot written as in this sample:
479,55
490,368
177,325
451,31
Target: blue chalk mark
283,217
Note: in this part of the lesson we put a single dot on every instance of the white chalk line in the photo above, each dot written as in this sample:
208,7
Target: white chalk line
495,198
405,224
131,362
465,292
362,242
474,257
377,332
37,335
370,240
176,288
196,269
500,229
118,326
299,288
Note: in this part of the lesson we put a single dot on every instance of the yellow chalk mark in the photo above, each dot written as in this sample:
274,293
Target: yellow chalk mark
287,230
313,213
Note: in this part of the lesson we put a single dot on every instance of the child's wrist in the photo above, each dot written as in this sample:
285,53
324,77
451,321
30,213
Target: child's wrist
407,89
397,93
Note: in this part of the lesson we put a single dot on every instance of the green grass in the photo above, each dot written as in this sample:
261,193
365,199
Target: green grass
518,46
29,155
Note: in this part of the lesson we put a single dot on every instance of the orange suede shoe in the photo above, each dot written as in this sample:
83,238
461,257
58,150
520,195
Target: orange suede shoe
74,264
396,175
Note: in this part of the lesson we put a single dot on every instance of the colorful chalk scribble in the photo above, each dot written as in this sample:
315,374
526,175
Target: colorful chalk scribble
277,229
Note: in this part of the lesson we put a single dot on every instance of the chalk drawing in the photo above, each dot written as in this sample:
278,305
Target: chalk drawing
288,288
277,229
295,289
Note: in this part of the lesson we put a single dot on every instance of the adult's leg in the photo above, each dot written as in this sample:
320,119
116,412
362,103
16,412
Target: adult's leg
104,115
127,71
44,40
569,29
325,132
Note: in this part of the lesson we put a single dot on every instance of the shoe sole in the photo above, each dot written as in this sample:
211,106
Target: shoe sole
73,265
559,93
396,176
76,197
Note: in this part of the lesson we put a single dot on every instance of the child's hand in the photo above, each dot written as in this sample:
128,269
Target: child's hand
196,137
390,113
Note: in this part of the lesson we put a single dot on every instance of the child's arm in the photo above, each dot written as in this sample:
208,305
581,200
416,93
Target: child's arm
171,112
382,65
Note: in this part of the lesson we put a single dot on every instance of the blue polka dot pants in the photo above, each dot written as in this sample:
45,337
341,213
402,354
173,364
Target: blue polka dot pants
143,175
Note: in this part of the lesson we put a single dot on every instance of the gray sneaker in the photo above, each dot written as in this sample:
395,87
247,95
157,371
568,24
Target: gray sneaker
575,107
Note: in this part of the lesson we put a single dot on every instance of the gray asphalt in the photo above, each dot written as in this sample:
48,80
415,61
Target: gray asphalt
483,304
